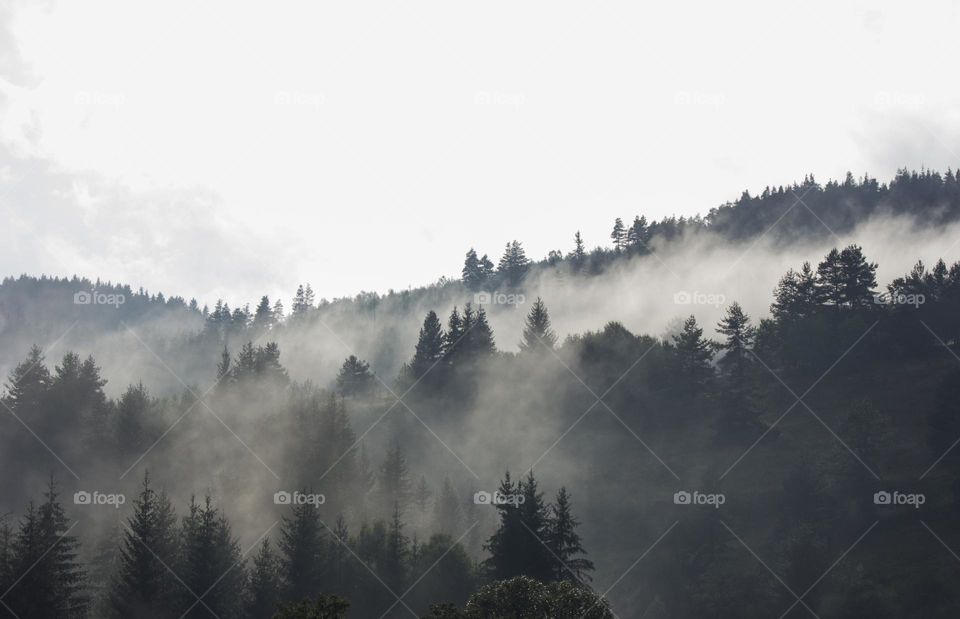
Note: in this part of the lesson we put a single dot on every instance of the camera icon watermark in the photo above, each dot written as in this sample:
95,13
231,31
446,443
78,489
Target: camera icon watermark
499,298
497,498
83,497
683,497
686,297
899,498
296,497
901,298
94,297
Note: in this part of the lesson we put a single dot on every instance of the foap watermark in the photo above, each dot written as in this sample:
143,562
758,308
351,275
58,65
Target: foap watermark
95,297
109,99
298,498
899,498
887,98
509,99
499,298
293,97
497,498
900,298
695,297
686,97
83,497
682,497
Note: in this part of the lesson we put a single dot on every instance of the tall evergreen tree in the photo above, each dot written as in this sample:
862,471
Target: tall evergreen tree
830,279
394,482
448,515
45,555
619,235
638,235
301,553
429,348
564,542
264,591
263,316
735,325
537,334
472,274
210,564
579,255
694,352
859,277
355,377
143,585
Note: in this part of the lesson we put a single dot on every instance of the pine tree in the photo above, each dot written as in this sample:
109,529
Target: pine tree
143,586
830,279
579,252
516,547
513,264
638,235
132,420
537,334
473,275
448,515
452,339
735,325
277,312
564,542
429,348
478,334
422,495
210,564
859,277
301,553
45,556
265,588
619,235
694,353
263,316
223,368
397,553
355,377
394,482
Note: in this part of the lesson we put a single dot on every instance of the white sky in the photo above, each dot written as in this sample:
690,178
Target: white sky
234,149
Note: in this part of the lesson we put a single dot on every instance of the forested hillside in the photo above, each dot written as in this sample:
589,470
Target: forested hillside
342,458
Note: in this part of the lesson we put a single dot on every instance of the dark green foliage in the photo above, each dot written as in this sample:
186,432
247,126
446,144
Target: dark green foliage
302,552
48,578
526,598
430,345
537,334
355,377
325,607
143,585
564,542
265,588
210,564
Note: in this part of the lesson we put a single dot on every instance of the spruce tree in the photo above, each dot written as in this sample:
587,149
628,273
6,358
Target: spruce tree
143,585
397,554
301,552
472,274
44,555
694,352
735,325
564,542
394,481
619,235
355,377
265,588
429,348
579,251
830,279
448,515
263,316
859,277
210,564
638,235
537,334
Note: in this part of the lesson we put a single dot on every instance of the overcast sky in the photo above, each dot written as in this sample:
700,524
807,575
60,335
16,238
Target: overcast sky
235,149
